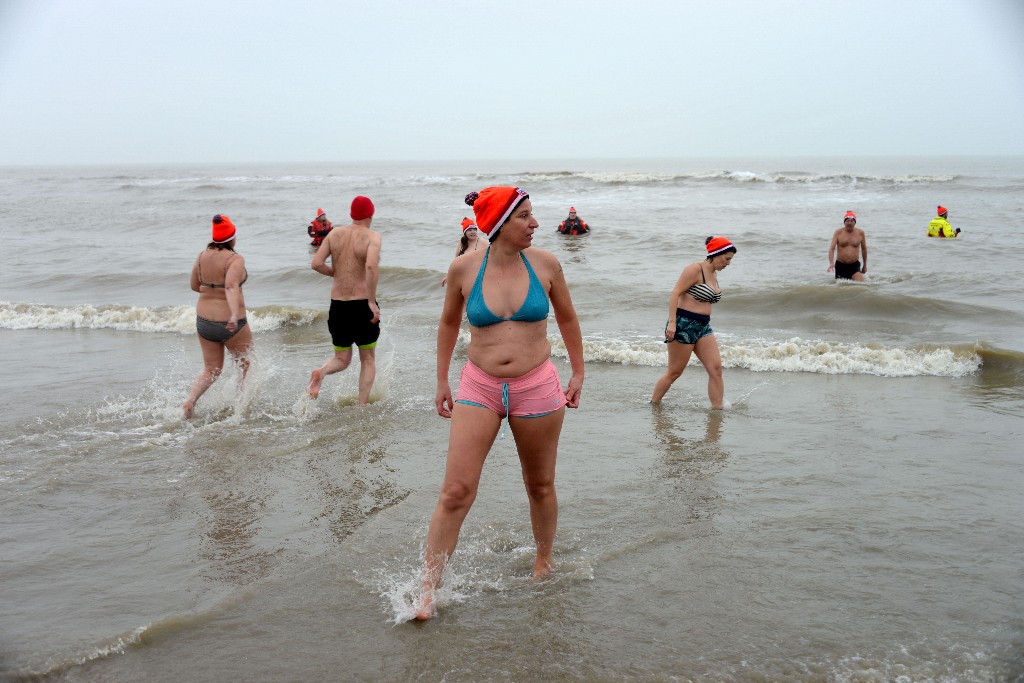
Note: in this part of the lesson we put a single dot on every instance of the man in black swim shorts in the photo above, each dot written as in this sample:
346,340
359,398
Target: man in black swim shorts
354,320
847,241
350,323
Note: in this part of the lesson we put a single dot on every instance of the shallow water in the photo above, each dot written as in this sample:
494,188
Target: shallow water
855,515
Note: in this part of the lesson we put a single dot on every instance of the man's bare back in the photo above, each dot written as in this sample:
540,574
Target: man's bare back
354,253
351,249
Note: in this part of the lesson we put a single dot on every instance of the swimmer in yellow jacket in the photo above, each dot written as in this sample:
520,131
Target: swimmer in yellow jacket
940,227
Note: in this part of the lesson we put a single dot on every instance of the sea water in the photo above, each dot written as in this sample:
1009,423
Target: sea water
855,513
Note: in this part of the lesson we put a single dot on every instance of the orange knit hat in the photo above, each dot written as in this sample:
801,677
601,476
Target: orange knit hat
319,212
849,215
718,245
223,229
493,205
362,208
942,210
467,223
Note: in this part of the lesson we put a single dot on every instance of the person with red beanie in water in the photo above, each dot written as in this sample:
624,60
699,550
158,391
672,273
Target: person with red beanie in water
507,291
688,329
218,275
318,228
354,252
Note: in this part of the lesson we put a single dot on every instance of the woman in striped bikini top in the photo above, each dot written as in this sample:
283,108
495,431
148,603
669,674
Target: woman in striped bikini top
688,326
703,292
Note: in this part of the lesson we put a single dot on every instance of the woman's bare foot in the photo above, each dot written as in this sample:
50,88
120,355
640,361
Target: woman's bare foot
426,608
541,569
315,378
188,407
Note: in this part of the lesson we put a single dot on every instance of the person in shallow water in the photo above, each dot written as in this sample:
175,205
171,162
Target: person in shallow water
688,329
470,241
940,227
506,290
218,275
573,225
319,228
354,317
842,252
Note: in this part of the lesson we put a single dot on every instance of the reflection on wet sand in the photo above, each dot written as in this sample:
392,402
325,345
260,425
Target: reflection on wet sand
354,479
574,245
691,462
235,503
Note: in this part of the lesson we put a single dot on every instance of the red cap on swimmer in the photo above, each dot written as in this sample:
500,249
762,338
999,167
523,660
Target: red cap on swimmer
467,223
493,205
223,229
718,245
362,208
941,210
850,215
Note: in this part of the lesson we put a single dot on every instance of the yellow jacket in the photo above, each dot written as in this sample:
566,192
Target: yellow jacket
940,227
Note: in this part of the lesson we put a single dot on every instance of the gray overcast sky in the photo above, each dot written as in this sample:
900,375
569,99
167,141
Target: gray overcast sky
151,81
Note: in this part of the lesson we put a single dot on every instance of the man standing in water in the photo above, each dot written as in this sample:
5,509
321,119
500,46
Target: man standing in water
354,251
849,239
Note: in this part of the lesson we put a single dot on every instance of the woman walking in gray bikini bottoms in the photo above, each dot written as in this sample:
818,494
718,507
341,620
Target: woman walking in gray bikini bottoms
218,275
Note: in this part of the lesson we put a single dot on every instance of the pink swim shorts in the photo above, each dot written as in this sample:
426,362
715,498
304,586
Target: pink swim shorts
535,394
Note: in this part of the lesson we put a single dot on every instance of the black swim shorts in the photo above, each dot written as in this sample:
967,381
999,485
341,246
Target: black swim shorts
349,323
845,271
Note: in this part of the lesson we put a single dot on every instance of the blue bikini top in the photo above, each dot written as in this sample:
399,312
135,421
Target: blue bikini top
534,308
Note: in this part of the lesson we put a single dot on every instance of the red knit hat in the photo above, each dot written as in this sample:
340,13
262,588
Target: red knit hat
849,215
223,229
942,210
718,245
572,209
493,205
467,223
319,212
362,208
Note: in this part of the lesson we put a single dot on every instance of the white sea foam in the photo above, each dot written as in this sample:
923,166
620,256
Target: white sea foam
175,319
840,358
796,355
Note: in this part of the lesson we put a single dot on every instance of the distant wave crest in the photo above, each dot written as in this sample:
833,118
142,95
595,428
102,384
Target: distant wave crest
744,177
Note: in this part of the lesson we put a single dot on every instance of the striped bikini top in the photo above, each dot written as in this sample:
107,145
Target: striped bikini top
702,291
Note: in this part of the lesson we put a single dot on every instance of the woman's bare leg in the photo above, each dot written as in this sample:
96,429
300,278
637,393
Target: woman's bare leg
678,357
537,443
471,435
213,363
710,357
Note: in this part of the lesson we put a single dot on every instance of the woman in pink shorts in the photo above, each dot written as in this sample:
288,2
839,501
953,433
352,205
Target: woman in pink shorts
505,290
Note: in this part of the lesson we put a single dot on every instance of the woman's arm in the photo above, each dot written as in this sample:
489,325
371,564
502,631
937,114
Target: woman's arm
569,327
194,280
233,290
447,335
687,279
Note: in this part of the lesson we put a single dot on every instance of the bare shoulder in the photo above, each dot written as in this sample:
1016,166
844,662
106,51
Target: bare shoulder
541,257
545,264
693,268
468,262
